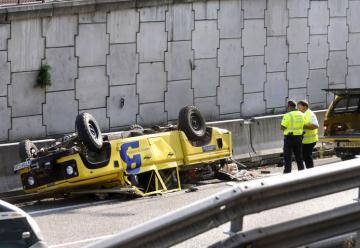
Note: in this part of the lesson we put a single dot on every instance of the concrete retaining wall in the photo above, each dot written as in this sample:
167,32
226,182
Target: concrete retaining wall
265,138
141,61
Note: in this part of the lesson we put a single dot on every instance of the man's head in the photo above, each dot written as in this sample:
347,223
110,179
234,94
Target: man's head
291,105
303,105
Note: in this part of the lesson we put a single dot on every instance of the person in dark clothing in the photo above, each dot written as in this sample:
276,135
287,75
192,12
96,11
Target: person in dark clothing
292,124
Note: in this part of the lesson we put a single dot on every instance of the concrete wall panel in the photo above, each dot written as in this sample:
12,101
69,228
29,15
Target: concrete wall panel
353,16
151,82
337,67
298,35
353,49
316,82
4,73
92,44
60,102
29,127
63,70
276,90
179,22
253,74
178,60
338,7
276,54
122,64
230,19
230,57
253,104
151,41
94,17
254,37
338,33
92,87
208,108
206,10
24,99
153,14
122,114
26,46
297,70
151,114
205,78
205,31
254,9
4,35
5,117
123,25
298,8
230,95
276,17
60,30
297,94
318,51
353,78
318,17
173,103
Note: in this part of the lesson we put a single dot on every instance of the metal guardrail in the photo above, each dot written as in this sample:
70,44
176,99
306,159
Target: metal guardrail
247,198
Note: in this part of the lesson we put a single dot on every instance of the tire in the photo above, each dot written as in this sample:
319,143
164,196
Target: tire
27,150
192,123
89,131
136,127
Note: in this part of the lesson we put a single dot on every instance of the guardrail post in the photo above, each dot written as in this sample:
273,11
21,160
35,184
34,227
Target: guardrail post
236,225
357,238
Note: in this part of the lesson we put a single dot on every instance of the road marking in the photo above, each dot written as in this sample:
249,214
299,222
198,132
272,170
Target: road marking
80,241
32,213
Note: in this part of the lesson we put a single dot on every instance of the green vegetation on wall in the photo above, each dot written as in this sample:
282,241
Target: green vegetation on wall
44,77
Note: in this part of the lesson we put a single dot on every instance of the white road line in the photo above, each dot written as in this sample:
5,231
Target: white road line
80,241
68,207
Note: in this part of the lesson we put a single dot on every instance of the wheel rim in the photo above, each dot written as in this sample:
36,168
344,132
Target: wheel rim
93,130
32,152
195,122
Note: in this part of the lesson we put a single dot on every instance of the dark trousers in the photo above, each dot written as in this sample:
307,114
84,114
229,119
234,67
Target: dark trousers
293,144
307,150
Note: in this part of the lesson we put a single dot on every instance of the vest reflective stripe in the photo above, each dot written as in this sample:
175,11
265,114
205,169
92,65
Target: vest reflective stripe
296,123
310,136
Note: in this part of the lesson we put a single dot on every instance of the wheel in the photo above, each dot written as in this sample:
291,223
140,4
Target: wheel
89,131
192,123
136,130
136,127
27,149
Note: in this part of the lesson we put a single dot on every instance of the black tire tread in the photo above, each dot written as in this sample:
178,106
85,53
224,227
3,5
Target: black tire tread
136,127
185,125
84,134
25,147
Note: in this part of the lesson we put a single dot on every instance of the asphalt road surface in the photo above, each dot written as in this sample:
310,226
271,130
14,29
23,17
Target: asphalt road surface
77,222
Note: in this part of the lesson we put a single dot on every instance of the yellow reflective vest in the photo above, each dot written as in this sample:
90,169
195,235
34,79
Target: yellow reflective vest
293,122
310,136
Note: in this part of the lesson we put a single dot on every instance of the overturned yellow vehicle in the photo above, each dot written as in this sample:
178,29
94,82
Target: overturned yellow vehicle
141,161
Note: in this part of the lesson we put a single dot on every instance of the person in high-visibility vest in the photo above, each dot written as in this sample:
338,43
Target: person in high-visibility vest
311,133
292,124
